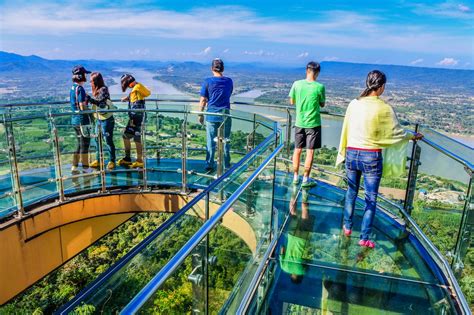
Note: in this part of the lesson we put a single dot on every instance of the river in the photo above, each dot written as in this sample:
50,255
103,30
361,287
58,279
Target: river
145,77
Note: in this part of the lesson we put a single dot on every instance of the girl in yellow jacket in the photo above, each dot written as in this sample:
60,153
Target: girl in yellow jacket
136,100
370,125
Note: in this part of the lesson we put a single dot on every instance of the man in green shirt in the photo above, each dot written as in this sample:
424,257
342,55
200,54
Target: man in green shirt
297,235
308,96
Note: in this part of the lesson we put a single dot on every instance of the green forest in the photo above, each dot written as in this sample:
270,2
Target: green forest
175,297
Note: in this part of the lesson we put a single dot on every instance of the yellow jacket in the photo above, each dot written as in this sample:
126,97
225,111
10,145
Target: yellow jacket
370,123
139,92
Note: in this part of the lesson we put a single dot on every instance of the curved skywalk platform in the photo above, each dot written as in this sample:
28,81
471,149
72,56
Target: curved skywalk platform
255,203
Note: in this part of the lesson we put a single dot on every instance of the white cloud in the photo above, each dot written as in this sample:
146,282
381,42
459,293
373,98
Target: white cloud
206,51
225,51
464,8
140,52
332,58
259,53
448,9
417,61
448,62
303,55
357,31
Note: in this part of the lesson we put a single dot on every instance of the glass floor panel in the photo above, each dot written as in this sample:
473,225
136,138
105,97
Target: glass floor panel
316,225
323,290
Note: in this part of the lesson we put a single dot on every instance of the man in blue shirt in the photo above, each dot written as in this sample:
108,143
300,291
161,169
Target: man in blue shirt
215,94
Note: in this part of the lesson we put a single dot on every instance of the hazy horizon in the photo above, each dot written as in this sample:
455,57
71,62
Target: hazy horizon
230,61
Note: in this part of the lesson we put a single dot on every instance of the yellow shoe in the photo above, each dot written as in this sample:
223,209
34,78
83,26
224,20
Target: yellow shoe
94,164
110,165
124,162
137,164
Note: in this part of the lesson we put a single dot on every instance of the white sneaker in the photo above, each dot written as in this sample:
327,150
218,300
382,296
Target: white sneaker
75,170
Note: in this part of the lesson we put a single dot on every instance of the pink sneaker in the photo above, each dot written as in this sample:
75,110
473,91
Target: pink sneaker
346,231
367,243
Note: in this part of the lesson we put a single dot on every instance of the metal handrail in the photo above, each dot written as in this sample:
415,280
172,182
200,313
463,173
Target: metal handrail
137,249
446,152
447,137
134,305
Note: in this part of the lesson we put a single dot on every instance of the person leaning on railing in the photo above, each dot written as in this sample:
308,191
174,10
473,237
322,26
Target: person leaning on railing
100,101
215,94
370,125
136,100
80,122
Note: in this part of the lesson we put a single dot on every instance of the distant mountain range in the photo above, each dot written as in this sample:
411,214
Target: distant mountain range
24,68
11,63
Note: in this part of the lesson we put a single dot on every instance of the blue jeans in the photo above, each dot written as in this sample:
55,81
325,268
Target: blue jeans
211,131
107,128
369,164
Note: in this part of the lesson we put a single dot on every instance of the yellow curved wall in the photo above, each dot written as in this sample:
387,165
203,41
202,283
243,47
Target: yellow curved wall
49,236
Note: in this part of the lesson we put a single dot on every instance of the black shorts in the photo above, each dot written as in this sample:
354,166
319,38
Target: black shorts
309,138
134,127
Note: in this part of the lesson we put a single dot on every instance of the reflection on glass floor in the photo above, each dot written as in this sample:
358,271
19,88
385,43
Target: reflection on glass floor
317,270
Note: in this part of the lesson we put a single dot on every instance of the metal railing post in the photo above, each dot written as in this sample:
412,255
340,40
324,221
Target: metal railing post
288,132
254,132
220,148
145,165
157,133
206,260
100,147
412,175
272,211
184,153
15,176
466,228
57,159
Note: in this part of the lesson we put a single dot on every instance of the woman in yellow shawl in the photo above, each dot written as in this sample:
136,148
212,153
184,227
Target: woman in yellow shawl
370,125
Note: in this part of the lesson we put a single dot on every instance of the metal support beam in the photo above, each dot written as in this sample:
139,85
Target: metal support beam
288,133
100,147
57,159
220,148
184,154
145,166
157,133
466,229
412,175
15,175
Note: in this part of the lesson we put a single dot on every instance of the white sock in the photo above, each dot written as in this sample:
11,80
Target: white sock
295,177
305,179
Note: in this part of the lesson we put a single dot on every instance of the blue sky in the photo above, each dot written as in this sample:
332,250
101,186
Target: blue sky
420,33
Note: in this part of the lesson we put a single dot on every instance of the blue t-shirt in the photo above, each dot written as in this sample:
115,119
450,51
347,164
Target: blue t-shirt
218,91
78,90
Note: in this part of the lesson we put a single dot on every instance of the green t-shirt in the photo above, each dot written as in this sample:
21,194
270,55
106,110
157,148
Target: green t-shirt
308,96
291,261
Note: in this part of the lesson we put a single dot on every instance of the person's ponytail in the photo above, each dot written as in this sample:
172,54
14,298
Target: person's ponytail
375,80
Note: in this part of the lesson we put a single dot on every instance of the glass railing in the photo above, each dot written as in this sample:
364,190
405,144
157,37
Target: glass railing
248,209
432,201
38,144
433,198
133,272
